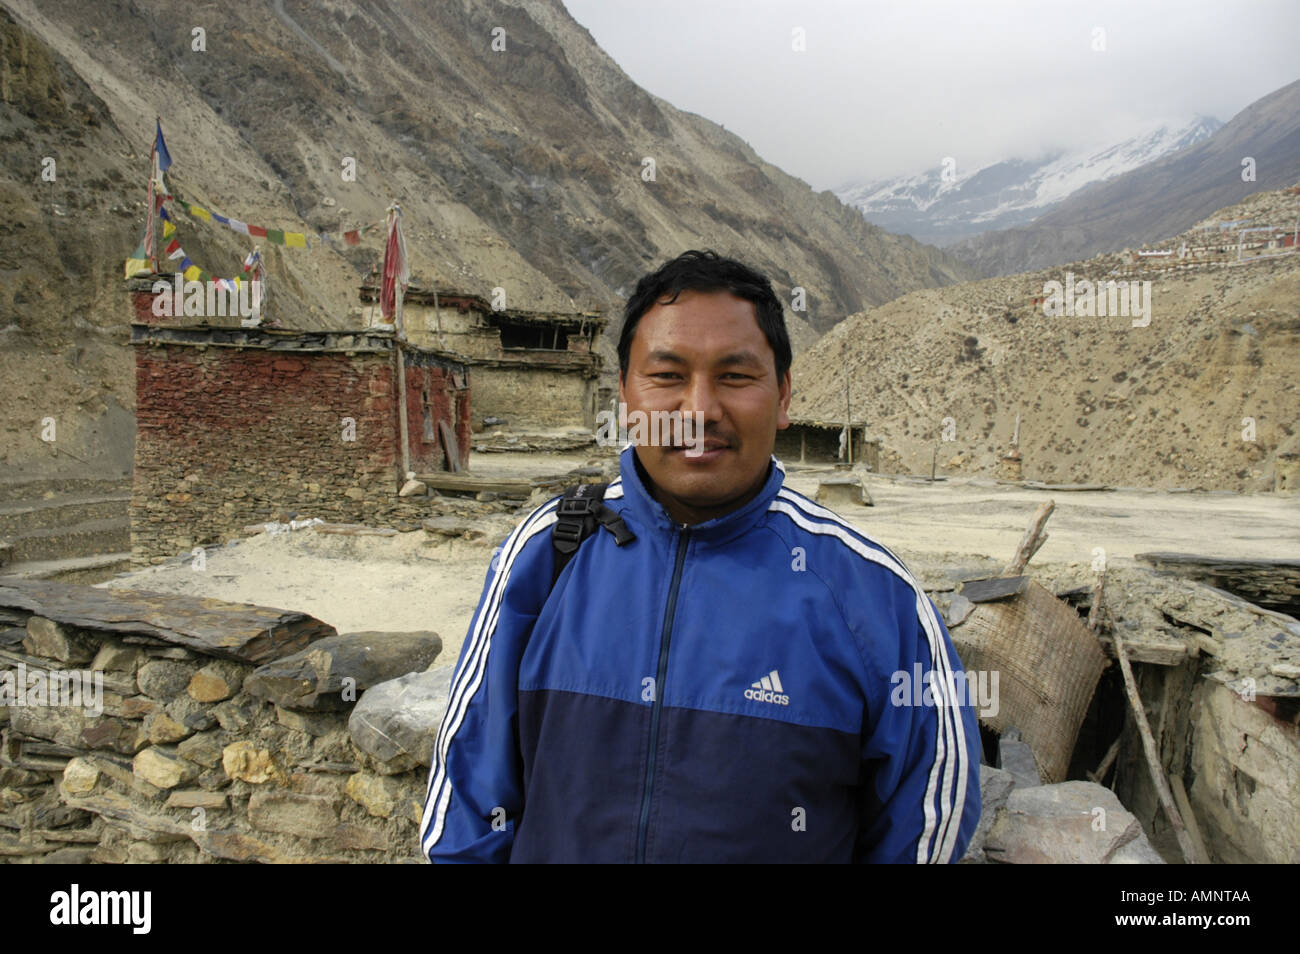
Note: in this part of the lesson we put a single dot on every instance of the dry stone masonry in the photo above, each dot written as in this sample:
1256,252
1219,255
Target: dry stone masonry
201,749
236,426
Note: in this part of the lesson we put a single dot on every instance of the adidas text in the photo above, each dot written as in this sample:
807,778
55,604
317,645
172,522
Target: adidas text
767,695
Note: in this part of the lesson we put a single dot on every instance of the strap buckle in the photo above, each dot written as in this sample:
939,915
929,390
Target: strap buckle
574,507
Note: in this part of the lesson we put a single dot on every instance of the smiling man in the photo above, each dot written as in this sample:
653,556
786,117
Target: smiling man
711,679
704,356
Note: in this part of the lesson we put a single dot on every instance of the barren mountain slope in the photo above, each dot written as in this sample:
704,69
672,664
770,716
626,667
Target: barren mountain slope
521,168
1100,400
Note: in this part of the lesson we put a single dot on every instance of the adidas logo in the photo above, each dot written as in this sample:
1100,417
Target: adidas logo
768,689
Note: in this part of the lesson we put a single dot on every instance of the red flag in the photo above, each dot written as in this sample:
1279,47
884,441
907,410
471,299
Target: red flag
396,270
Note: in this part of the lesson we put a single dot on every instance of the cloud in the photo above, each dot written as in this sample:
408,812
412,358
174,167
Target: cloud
890,88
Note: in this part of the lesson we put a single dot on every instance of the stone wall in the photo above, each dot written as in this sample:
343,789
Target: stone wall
1247,778
234,429
1238,758
534,388
534,398
195,759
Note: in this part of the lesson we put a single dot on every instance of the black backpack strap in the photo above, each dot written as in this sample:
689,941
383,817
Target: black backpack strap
580,512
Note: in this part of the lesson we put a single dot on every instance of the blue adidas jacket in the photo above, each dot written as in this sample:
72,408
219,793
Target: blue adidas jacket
717,693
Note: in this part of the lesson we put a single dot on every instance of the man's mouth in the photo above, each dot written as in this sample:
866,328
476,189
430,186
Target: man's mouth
693,449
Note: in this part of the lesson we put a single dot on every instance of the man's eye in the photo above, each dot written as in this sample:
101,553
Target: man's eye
664,374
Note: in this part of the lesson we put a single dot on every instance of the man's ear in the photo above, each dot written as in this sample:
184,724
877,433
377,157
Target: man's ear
782,416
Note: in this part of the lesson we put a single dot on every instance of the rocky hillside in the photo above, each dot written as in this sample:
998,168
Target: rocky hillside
523,167
1100,400
1158,199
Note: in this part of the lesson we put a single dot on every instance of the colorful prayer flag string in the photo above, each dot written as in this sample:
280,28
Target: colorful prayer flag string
186,265
274,236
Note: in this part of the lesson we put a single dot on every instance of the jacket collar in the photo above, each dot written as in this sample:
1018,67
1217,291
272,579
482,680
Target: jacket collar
650,513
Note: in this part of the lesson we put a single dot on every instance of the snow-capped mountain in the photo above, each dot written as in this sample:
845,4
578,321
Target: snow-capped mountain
943,209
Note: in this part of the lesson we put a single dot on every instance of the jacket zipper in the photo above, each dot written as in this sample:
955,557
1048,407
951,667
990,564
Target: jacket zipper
665,637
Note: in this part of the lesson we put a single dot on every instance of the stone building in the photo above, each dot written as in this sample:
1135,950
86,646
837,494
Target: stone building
236,426
810,441
534,370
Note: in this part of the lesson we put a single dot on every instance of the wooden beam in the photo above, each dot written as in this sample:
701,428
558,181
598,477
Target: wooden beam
1153,756
1150,650
450,449
1099,774
1185,806
1031,541
467,483
354,530
1094,614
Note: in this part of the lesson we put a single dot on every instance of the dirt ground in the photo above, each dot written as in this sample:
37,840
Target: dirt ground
415,581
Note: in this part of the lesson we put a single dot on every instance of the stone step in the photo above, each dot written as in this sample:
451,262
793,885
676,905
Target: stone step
85,538
60,511
86,569
20,491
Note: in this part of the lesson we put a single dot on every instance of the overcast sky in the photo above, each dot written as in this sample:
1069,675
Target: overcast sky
886,88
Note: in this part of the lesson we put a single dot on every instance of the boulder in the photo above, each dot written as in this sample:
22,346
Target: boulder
1016,757
215,682
244,761
203,749
163,729
288,813
53,640
413,488
163,768
163,679
995,788
118,657
331,673
80,776
402,716
1067,823
377,794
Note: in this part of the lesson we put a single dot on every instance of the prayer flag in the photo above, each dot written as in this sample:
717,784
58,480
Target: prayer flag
160,149
396,270
138,262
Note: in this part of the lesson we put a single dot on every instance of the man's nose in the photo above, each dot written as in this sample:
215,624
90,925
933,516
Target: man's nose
701,397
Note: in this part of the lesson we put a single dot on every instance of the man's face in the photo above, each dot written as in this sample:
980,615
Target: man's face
705,353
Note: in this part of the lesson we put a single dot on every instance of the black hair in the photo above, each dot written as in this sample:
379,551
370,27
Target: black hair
707,271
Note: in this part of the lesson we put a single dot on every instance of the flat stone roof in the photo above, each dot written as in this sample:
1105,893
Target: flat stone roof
377,341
